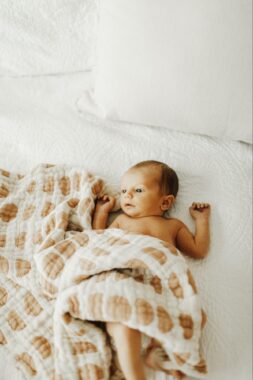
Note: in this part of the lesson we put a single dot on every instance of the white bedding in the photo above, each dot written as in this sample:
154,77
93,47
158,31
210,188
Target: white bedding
184,65
45,47
45,36
39,122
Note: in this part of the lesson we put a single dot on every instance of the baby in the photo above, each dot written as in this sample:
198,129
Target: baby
148,190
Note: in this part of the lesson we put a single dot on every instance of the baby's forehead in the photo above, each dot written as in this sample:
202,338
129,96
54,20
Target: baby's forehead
140,175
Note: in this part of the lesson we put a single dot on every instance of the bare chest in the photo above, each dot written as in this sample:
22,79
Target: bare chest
164,229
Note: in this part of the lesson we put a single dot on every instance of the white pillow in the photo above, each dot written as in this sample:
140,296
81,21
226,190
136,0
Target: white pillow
181,64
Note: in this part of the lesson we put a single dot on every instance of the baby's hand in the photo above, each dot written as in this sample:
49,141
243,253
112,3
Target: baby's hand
105,204
200,211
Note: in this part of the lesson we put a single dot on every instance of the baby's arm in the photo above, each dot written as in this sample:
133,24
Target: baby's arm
104,206
195,246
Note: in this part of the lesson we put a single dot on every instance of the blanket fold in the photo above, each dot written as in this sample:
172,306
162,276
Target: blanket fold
137,280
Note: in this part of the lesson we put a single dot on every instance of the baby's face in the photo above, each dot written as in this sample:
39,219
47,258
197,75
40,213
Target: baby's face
140,193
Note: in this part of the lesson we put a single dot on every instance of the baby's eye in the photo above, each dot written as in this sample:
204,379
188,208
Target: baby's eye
138,190
123,191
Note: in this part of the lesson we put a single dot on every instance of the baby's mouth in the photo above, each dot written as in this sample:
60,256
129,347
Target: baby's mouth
128,205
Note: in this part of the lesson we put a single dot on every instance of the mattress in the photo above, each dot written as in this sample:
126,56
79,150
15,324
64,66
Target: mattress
39,122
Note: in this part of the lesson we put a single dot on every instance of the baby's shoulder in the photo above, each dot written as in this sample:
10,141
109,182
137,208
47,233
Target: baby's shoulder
118,221
175,222
121,218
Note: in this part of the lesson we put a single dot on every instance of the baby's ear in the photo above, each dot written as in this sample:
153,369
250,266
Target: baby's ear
167,202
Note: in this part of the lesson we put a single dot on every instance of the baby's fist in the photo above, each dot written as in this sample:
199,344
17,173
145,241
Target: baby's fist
200,210
105,204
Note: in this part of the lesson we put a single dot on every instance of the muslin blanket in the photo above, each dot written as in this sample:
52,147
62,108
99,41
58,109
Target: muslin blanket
60,281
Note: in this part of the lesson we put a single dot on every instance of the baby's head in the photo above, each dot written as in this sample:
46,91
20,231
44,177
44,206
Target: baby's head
148,188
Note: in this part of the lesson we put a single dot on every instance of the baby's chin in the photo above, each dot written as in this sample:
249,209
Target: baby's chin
132,212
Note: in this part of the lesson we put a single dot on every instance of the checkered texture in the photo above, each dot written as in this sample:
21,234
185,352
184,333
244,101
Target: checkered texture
59,281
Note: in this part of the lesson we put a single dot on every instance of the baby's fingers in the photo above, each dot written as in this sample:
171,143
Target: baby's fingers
196,205
103,198
200,205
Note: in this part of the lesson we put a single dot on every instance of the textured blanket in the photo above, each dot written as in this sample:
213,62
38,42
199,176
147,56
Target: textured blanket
59,281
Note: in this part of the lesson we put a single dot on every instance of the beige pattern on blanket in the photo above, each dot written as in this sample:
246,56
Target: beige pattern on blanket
59,282
111,275
36,209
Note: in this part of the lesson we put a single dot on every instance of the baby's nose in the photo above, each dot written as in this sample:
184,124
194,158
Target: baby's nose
128,194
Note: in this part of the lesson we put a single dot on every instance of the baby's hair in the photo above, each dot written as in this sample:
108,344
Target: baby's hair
168,181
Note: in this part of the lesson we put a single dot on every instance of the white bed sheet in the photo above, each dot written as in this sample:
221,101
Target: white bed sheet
39,122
